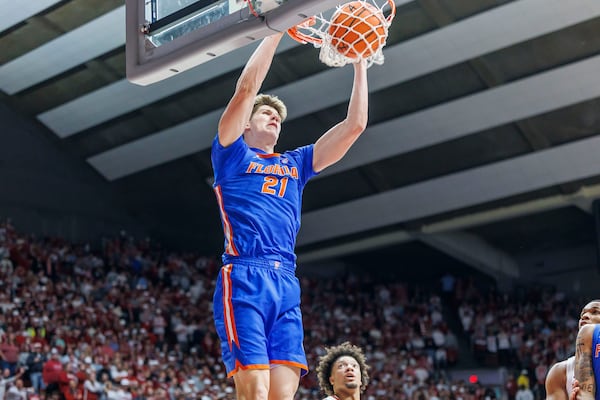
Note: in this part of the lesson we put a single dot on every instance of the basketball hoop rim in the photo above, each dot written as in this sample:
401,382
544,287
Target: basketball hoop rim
303,38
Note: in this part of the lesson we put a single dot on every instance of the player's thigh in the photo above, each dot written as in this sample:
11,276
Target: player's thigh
251,384
284,382
286,336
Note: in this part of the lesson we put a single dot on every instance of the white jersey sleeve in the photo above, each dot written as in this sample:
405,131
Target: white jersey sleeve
570,371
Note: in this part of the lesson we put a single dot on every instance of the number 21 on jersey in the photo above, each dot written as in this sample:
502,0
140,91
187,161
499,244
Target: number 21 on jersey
274,186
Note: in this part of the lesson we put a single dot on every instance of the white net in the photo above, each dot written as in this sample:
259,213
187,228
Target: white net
356,30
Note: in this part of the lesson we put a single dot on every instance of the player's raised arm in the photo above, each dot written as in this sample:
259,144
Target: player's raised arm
584,370
334,144
238,110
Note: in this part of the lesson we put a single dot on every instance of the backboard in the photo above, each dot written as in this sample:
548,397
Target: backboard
166,37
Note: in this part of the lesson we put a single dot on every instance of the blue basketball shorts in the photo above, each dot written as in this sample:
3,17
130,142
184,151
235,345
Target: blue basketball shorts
256,308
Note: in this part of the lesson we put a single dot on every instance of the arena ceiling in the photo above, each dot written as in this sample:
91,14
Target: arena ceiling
482,141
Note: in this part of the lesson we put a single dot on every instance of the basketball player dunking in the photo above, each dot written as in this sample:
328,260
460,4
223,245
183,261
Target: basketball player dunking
257,296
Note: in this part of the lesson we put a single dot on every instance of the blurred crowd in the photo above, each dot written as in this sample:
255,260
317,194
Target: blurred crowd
527,331
131,320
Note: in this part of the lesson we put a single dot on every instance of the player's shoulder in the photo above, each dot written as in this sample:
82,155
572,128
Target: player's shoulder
557,379
558,370
217,145
561,365
299,150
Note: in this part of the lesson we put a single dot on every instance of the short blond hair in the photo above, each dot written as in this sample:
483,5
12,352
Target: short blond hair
271,101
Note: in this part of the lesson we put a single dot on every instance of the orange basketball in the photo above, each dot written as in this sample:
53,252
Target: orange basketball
357,29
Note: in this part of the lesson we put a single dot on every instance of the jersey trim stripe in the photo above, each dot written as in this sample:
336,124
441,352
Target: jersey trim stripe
268,155
239,366
228,316
291,363
229,246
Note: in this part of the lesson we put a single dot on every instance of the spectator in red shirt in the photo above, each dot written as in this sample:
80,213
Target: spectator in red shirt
9,352
53,373
72,391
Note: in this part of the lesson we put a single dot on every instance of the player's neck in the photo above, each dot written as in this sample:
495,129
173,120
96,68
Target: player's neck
346,396
261,142
266,149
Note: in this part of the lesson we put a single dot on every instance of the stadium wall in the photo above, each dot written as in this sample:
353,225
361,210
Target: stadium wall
573,270
48,192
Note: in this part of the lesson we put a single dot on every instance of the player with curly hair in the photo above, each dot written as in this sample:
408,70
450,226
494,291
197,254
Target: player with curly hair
343,372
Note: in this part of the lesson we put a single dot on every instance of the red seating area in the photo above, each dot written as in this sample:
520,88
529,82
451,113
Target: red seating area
130,320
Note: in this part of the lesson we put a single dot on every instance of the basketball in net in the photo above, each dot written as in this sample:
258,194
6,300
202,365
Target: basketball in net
357,30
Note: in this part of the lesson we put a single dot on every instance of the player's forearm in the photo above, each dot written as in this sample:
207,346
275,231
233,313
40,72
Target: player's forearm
584,371
584,396
358,107
336,142
587,388
258,65
239,109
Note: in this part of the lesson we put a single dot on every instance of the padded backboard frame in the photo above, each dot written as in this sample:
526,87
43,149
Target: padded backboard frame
147,64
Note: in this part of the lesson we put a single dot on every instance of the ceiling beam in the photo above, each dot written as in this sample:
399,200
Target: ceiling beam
421,55
475,252
65,52
462,246
452,44
525,98
586,195
503,179
14,12
355,246
123,96
517,100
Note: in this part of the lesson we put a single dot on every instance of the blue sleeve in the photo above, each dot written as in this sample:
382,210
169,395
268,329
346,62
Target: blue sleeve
224,159
596,357
303,156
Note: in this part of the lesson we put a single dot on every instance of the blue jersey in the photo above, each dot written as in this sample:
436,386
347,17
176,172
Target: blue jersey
596,357
260,198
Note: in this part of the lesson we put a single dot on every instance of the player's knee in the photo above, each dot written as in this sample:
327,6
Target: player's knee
284,382
251,385
283,393
259,392
252,392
